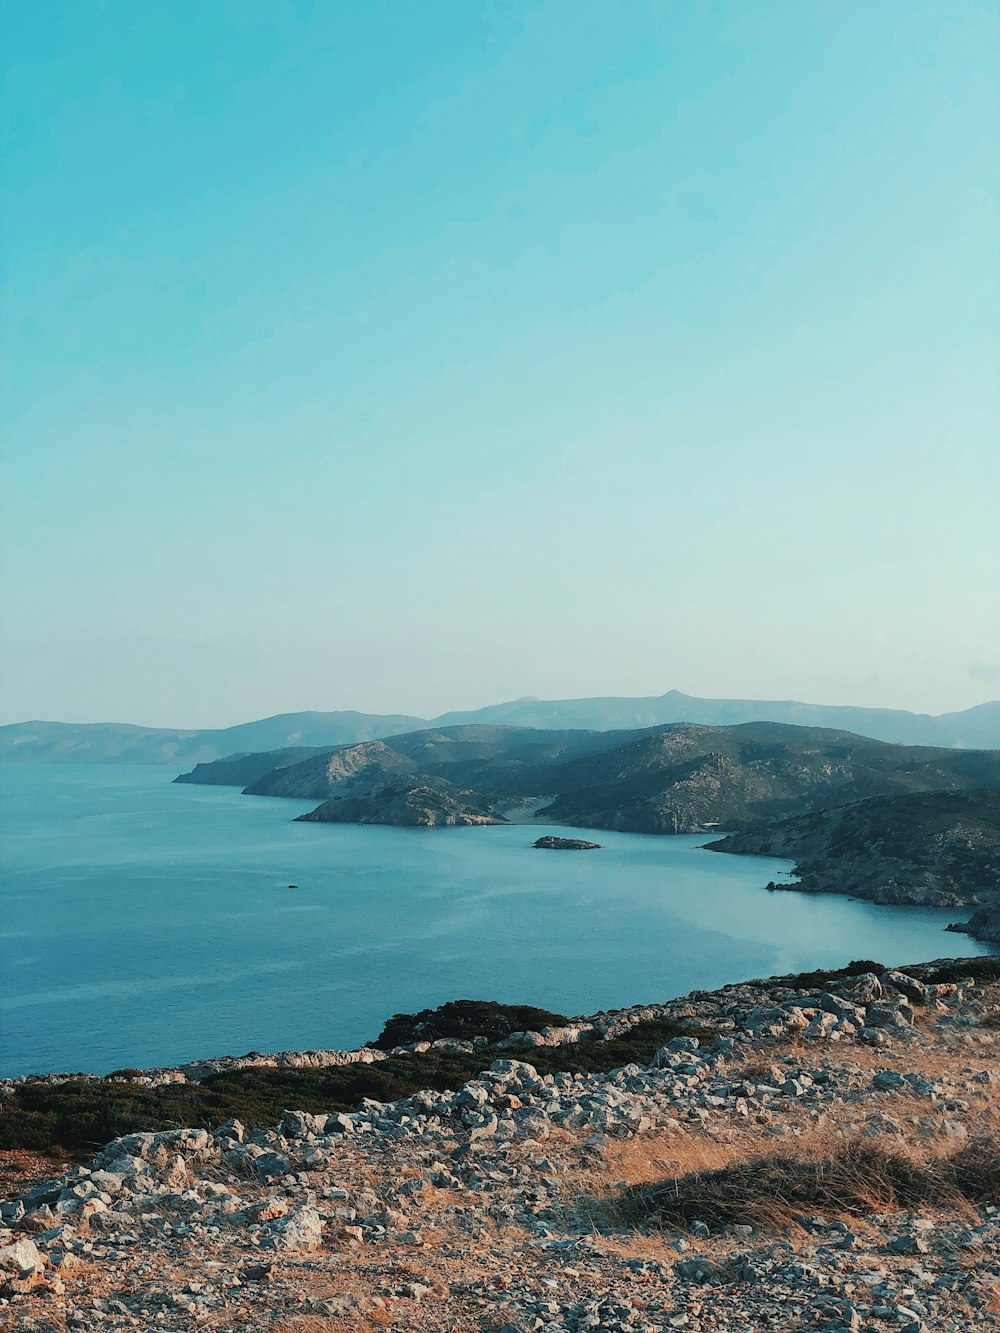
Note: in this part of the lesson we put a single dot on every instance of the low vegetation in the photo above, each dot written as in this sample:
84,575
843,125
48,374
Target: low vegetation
82,1116
466,1019
984,969
821,977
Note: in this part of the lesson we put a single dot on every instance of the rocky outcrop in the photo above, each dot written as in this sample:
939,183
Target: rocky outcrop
552,844
982,925
937,849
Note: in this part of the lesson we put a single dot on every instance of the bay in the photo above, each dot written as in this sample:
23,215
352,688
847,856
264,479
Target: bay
147,923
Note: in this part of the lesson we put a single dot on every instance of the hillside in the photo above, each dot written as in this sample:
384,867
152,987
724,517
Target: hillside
118,743
673,779
239,770
973,728
682,778
428,804
500,762
933,848
108,743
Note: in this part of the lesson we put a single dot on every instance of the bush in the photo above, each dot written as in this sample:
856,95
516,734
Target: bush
983,969
466,1019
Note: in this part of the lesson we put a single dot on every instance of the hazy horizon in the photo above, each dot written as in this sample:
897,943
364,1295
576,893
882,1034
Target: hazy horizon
414,357
431,716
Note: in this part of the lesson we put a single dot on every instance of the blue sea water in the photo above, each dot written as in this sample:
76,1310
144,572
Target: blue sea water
148,923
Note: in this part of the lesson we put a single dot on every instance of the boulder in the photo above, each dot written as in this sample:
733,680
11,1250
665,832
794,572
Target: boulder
301,1230
22,1265
913,989
300,1124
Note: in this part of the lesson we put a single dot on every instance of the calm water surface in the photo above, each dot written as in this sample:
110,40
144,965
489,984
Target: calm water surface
147,923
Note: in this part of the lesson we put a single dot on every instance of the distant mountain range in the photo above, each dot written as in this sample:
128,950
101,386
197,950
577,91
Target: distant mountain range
119,743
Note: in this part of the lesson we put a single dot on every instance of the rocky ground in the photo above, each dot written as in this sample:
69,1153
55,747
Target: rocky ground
523,1201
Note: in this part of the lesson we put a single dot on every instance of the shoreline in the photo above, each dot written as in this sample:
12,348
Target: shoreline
597,1026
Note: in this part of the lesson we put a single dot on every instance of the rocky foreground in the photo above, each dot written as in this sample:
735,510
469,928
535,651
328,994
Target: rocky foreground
827,1160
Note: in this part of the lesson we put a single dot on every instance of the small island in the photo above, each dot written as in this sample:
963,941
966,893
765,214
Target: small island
549,843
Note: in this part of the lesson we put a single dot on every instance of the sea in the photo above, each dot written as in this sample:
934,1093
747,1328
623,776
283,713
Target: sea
147,923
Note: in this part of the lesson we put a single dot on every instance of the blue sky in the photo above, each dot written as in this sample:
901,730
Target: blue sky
416,356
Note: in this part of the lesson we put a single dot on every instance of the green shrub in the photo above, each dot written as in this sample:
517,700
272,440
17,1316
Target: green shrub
983,969
821,977
84,1116
466,1019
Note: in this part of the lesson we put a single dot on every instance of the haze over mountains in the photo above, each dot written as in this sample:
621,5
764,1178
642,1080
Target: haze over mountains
65,742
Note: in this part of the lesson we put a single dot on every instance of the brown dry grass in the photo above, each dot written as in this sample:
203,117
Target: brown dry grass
846,1178
992,1302
643,1159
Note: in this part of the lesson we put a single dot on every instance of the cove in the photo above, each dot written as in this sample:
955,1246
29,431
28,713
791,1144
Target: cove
148,923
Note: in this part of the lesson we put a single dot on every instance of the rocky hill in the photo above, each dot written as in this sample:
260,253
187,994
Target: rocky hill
502,763
933,848
241,770
429,804
672,779
816,1152
685,778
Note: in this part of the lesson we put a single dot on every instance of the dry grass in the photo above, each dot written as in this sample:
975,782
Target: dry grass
992,1302
651,1158
851,1178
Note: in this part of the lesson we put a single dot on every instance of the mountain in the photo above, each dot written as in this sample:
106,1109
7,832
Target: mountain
240,770
939,848
975,728
502,763
671,779
118,743
109,743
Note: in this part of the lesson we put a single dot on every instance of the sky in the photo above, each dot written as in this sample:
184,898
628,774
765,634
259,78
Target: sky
410,357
